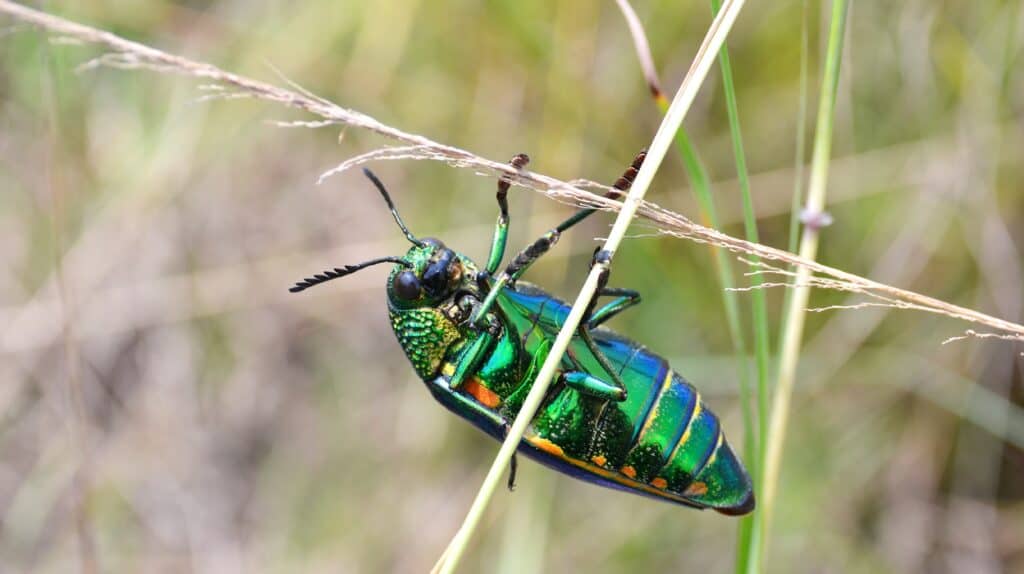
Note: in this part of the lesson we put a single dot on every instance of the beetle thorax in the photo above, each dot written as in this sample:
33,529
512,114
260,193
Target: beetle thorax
425,335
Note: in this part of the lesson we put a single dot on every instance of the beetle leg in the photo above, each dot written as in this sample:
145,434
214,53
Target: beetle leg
470,358
501,229
620,186
513,465
625,298
583,331
470,404
542,244
593,386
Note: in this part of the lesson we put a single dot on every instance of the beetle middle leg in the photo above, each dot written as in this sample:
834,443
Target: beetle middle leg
541,246
624,299
583,331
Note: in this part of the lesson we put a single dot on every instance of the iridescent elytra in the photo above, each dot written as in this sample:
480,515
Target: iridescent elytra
616,415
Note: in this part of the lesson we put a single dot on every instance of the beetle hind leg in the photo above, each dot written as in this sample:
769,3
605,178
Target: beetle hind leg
593,386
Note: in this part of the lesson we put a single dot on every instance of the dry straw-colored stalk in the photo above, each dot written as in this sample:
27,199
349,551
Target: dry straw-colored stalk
717,32
127,54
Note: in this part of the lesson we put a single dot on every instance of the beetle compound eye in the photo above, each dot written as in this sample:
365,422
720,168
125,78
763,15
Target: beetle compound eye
407,286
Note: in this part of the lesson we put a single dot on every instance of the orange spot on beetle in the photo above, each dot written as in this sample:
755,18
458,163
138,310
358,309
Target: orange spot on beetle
478,391
659,483
599,460
628,471
696,489
547,446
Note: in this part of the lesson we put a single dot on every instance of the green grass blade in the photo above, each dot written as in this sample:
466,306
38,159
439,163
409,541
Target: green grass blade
800,153
801,136
759,299
794,320
701,184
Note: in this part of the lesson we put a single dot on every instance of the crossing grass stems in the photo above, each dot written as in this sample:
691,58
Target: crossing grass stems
765,260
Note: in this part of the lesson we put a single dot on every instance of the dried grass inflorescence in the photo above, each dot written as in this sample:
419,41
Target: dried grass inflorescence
226,85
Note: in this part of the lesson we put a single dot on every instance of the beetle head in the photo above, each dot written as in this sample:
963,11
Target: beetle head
430,273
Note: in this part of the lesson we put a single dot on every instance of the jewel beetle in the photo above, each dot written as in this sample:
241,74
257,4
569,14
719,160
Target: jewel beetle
616,415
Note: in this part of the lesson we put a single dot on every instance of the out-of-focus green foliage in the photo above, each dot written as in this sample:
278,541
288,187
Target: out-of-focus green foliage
166,405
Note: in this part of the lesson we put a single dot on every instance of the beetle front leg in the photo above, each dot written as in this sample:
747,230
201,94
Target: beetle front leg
466,364
515,269
469,404
471,357
501,229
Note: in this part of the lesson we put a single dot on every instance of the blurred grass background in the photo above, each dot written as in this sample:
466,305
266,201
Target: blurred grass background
167,406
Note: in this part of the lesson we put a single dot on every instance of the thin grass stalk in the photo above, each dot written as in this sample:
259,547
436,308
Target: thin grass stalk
714,39
801,133
125,54
801,150
794,320
131,55
759,298
726,277
701,185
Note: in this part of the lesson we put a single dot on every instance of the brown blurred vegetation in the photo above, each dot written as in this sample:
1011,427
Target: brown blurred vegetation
166,406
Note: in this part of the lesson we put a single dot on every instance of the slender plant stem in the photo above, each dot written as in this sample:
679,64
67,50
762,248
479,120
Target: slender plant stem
701,185
124,53
794,321
714,39
801,133
759,299
726,278
801,150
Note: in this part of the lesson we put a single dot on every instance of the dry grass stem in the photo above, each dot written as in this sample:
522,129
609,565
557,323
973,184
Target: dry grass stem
133,55
642,47
971,333
663,138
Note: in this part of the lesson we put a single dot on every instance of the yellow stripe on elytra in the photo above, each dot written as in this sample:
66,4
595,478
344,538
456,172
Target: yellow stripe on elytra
657,406
714,453
697,408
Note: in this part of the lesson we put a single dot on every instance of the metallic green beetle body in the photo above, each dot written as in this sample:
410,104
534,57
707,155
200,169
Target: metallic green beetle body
661,441
617,415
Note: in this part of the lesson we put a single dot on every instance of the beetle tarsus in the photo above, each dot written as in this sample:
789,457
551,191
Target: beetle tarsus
513,465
